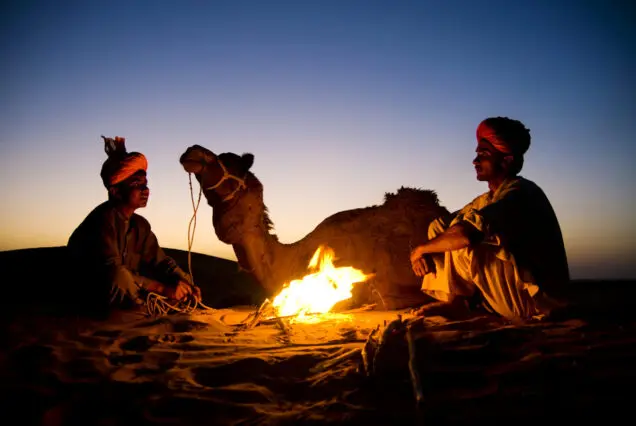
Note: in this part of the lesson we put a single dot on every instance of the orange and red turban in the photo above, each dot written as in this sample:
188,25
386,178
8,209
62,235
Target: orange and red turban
120,164
497,131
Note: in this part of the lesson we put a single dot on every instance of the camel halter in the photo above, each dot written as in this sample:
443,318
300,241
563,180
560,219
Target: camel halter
227,175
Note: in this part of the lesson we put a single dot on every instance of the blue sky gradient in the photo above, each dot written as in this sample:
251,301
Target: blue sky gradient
339,101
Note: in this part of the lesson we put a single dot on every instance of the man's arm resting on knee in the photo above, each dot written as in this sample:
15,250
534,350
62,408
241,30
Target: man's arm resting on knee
151,285
124,278
178,290
458,236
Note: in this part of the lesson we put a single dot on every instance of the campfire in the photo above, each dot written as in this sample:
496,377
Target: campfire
318,291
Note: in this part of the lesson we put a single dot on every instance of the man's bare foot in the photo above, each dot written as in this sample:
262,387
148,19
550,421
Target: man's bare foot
456,309
431,309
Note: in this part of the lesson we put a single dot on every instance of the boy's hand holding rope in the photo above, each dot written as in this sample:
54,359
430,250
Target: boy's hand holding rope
157,304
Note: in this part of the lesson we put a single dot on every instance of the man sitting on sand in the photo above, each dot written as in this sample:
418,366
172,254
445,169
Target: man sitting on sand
114,248
505,246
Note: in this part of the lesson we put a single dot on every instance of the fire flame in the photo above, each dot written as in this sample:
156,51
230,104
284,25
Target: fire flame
320,290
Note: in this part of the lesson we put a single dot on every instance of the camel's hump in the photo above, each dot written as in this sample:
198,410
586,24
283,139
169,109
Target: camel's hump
395,206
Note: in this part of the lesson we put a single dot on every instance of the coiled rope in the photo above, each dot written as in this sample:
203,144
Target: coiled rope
159,305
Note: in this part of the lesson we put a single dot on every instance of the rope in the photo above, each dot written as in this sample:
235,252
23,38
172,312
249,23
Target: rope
159,305
227,175
195,208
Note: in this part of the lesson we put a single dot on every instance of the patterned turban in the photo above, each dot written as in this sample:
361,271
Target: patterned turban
120,164
506,135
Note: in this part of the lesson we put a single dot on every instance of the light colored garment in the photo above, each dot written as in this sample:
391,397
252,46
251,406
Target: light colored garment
520,260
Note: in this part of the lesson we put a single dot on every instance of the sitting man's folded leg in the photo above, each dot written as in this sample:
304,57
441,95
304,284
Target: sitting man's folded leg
465,272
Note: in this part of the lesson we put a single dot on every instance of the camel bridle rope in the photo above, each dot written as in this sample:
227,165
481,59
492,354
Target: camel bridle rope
226,176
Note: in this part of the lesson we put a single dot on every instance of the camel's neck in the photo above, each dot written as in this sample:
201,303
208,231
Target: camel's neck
256,253
245,225
271,262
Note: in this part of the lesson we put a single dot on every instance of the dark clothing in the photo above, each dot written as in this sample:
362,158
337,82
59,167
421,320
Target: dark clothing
523,219
116,256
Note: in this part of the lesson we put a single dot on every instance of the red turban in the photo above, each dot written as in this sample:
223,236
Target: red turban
120,164
504,135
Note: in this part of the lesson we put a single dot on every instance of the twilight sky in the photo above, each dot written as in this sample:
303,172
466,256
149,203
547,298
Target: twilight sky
339,101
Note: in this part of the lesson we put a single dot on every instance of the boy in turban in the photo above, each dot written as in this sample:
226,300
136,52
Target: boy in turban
116,249
505,247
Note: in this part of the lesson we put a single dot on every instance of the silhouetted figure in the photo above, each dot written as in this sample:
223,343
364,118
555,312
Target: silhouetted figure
115,250
505,246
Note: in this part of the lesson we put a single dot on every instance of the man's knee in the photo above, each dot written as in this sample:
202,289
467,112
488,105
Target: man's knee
123,287
439,225
436,227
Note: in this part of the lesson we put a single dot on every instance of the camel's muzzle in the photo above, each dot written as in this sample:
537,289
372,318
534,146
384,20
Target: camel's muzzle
196,158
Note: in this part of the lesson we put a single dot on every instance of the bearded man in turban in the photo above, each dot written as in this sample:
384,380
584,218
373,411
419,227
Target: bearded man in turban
504,248
119,255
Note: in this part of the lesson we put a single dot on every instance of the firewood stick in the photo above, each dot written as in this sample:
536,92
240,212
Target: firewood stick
331,362
415,375
258,314
283,326
368,352
363,308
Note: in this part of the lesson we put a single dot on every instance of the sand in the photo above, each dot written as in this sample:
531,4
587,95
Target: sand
200,369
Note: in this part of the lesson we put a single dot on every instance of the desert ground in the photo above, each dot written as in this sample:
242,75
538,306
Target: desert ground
205,368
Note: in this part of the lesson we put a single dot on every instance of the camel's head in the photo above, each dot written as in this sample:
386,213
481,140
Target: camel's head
221,176
196,158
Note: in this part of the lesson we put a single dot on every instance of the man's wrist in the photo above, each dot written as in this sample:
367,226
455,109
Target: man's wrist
154,286
423,249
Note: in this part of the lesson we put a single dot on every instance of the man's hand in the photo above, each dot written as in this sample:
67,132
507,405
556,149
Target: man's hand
182,291
196,292
421,263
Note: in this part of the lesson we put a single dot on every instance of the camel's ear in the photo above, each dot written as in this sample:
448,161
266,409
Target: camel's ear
248,161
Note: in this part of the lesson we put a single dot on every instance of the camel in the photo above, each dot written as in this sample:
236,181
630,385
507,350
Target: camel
376,239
